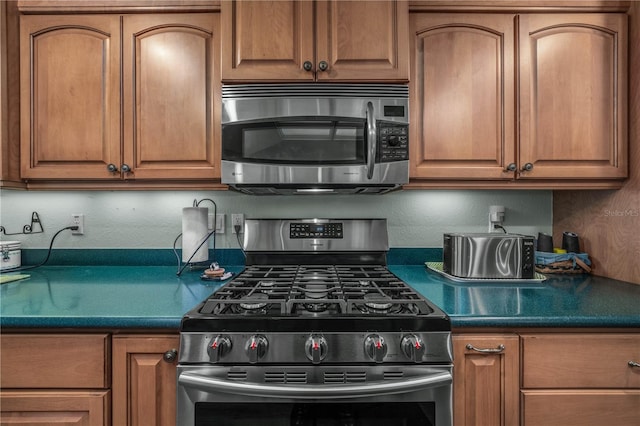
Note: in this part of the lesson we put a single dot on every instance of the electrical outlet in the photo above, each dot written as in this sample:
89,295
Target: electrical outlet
237,220
77,219
496,217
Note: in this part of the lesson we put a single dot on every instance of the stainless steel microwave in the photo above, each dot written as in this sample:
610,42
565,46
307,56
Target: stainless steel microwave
315,138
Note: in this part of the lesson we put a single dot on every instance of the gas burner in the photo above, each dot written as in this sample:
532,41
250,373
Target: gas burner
377,302
254,302
266,286
315,291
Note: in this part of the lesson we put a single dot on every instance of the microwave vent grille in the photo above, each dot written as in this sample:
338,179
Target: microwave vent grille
240,91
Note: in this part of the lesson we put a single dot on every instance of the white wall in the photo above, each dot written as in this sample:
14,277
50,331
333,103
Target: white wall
152,219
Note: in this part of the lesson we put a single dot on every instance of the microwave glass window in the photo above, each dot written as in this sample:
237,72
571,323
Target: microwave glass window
300,142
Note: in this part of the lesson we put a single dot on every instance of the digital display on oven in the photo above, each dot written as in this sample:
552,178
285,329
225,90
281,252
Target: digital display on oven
315,230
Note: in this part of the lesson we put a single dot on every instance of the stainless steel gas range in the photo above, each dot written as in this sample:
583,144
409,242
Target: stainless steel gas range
315,331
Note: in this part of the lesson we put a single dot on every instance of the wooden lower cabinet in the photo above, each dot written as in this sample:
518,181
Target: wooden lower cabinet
580,407
144,383
580,379
485,379
55,379
55,408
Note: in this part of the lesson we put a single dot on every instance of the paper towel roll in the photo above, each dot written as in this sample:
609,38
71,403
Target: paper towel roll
194,232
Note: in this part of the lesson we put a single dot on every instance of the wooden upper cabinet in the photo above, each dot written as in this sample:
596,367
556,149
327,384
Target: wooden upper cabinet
462,96
573,95
78,76
171,96
70,102
335,40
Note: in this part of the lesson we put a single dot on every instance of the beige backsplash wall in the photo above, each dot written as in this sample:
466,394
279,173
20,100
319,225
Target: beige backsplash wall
608,222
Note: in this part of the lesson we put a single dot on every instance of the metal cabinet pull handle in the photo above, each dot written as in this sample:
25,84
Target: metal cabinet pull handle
307,65
125,168
112,168
634,364
323,65
527,167
497,350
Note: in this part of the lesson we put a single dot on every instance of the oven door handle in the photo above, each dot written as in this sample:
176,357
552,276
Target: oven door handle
346,391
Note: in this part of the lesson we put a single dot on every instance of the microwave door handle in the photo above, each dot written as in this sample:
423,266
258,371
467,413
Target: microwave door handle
212,384
372,137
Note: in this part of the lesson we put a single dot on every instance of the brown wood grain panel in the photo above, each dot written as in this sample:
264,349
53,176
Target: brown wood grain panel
573,105
462,96
9,97
580,361
267,40
171,96
70,96
580,408
608,221
485,386
63,408
144,385
54,361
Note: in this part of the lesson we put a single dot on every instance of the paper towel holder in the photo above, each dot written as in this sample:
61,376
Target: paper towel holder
182,265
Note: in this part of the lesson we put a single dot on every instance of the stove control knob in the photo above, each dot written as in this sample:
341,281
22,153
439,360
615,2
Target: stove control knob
413,347
375,347
316,348
256,347
219,346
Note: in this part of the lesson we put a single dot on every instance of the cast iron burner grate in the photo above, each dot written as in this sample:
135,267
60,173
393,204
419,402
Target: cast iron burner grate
316,290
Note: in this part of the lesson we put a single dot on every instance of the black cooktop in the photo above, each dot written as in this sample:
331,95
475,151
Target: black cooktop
317,297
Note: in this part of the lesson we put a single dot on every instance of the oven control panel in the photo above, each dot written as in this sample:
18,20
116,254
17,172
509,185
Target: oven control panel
315,348
315,230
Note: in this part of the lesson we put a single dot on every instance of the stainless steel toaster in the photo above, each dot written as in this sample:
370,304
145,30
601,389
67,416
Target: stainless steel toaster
496,256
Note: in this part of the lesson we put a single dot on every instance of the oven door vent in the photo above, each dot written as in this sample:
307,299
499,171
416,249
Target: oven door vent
285,377
345,377
392,375
239,376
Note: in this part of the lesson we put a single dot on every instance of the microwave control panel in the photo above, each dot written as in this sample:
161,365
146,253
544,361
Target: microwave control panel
393,142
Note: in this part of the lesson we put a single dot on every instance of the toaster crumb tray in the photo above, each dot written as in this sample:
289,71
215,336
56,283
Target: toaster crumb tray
437,267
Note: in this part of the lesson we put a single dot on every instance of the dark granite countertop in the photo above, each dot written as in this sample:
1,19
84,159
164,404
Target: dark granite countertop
142,297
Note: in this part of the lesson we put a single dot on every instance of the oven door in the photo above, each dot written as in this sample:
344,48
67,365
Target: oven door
302,396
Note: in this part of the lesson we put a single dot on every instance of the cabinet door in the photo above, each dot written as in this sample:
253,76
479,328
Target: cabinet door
485,382
362,40
144,384
573,95
171,100
64,408
462,96
69,96
267,40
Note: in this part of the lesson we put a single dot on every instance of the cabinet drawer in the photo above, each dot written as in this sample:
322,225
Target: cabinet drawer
580,408
580,361
63,408
54,361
